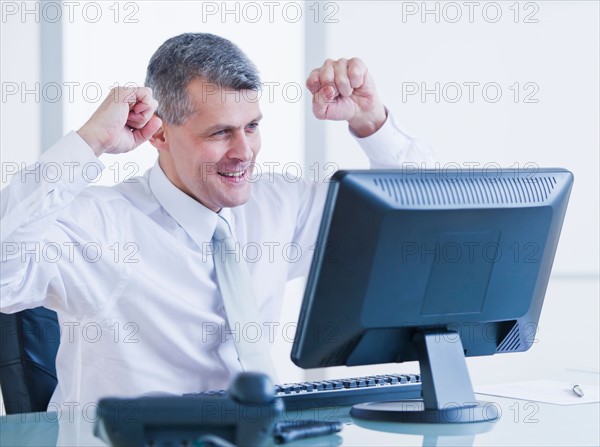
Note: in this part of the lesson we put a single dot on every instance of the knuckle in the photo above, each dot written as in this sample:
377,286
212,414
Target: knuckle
355,71
342,62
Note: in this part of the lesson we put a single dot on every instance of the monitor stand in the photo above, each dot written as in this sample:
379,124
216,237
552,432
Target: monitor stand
446,387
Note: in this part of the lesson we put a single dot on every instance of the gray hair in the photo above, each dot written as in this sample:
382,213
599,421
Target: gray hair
183,58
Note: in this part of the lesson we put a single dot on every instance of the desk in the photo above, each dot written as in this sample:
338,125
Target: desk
522,423
561,355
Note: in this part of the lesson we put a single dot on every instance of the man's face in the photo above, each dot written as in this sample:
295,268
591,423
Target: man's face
211,156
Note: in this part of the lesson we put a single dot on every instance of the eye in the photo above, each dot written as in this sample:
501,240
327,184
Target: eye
219,133
252,127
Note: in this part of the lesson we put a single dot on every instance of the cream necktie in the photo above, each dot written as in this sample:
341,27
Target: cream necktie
244,321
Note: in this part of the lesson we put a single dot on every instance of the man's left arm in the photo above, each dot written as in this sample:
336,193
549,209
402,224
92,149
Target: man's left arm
344,90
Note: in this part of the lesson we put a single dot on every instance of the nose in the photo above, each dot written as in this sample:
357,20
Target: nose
241,148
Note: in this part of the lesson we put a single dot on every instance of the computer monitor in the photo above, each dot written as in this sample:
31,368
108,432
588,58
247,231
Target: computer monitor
434,266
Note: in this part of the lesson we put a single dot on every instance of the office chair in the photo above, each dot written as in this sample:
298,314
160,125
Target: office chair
28,344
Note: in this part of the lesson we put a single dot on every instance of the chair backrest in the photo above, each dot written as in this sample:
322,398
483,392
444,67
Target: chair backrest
28,344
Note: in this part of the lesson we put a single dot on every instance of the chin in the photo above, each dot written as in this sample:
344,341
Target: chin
231,201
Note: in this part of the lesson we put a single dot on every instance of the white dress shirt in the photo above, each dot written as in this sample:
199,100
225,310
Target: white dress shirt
130,273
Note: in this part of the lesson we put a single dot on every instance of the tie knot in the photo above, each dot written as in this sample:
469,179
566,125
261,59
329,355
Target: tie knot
222,230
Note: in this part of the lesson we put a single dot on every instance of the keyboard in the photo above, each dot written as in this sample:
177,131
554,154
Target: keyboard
343,392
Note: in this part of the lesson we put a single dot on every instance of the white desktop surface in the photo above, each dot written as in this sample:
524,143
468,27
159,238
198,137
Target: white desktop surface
522,424
568,350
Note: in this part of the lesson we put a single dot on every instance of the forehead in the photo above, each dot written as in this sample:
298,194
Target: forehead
208,100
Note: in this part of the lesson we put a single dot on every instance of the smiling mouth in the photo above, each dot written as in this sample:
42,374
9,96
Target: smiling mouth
236,175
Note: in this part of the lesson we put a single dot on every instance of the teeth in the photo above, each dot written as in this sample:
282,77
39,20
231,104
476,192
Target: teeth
232,174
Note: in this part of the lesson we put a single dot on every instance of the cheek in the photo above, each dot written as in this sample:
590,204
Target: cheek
256,144
201,157
203,164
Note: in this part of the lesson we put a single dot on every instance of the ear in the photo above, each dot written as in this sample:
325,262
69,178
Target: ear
159,139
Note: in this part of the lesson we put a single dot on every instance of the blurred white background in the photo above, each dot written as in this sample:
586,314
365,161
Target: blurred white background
510,83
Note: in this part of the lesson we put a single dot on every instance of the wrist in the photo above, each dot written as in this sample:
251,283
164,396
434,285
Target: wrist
367,124
91,141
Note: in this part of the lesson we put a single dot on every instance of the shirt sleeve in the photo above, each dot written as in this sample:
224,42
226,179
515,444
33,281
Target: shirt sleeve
51,237
43,189
391,148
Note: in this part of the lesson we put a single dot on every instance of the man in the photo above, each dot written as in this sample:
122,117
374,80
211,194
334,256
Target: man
132,276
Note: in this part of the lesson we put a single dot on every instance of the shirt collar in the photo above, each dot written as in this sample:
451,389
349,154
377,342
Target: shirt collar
198,221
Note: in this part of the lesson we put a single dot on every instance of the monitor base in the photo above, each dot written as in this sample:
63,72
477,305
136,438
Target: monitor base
414,412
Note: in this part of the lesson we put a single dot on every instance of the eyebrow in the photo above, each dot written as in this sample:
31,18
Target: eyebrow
217,127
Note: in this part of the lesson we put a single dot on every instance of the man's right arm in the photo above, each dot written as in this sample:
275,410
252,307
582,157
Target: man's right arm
123,121
31,233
